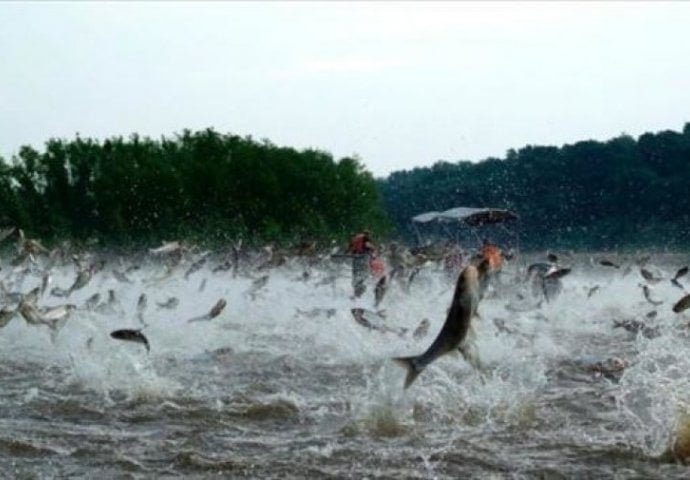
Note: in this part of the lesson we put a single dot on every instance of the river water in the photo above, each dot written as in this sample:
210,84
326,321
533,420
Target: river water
284,384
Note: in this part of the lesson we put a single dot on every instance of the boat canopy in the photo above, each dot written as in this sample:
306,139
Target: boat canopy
471,216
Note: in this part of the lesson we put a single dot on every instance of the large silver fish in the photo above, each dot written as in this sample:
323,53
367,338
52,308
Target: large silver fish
456,331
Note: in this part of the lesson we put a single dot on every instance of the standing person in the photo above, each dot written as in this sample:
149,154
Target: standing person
362,250
493,254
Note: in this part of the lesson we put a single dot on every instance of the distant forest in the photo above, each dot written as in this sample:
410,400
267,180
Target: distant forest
203,186
210,188
620,194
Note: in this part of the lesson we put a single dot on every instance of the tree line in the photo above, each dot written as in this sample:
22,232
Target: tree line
624,193
209,187
202,186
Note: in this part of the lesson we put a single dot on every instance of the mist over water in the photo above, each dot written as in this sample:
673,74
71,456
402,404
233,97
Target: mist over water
284,383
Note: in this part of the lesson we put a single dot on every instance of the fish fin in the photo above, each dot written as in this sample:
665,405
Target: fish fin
408,363
471,355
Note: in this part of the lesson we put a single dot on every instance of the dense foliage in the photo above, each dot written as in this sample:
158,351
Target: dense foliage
619,194
202,186
209,187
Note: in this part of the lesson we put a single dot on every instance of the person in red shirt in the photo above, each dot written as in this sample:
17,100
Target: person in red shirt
361,244
363,253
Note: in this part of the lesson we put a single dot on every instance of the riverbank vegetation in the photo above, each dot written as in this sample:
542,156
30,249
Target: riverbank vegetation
211,188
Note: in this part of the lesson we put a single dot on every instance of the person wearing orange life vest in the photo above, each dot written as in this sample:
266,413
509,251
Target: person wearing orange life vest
492,254
492,257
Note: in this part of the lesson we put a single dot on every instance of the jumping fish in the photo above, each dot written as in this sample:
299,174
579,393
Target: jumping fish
608,263
215,311
648,296
83,277
194,267
649,276
682,304
360,315
680,273
131,335
456,332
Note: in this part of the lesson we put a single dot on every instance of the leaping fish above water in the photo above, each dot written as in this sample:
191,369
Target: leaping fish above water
194,267
54,317
682,304
457,332
680,273
215,311
131,335
648,296
360,316
82,279
649,276
608,263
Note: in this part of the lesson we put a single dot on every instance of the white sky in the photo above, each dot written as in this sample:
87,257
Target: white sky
399,84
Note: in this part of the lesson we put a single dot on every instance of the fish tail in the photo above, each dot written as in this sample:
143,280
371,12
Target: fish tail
410,365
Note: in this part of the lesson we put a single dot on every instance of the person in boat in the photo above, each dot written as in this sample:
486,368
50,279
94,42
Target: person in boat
492,254
363,254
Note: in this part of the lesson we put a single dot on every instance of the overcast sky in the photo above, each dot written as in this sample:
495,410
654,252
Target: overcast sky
399,84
